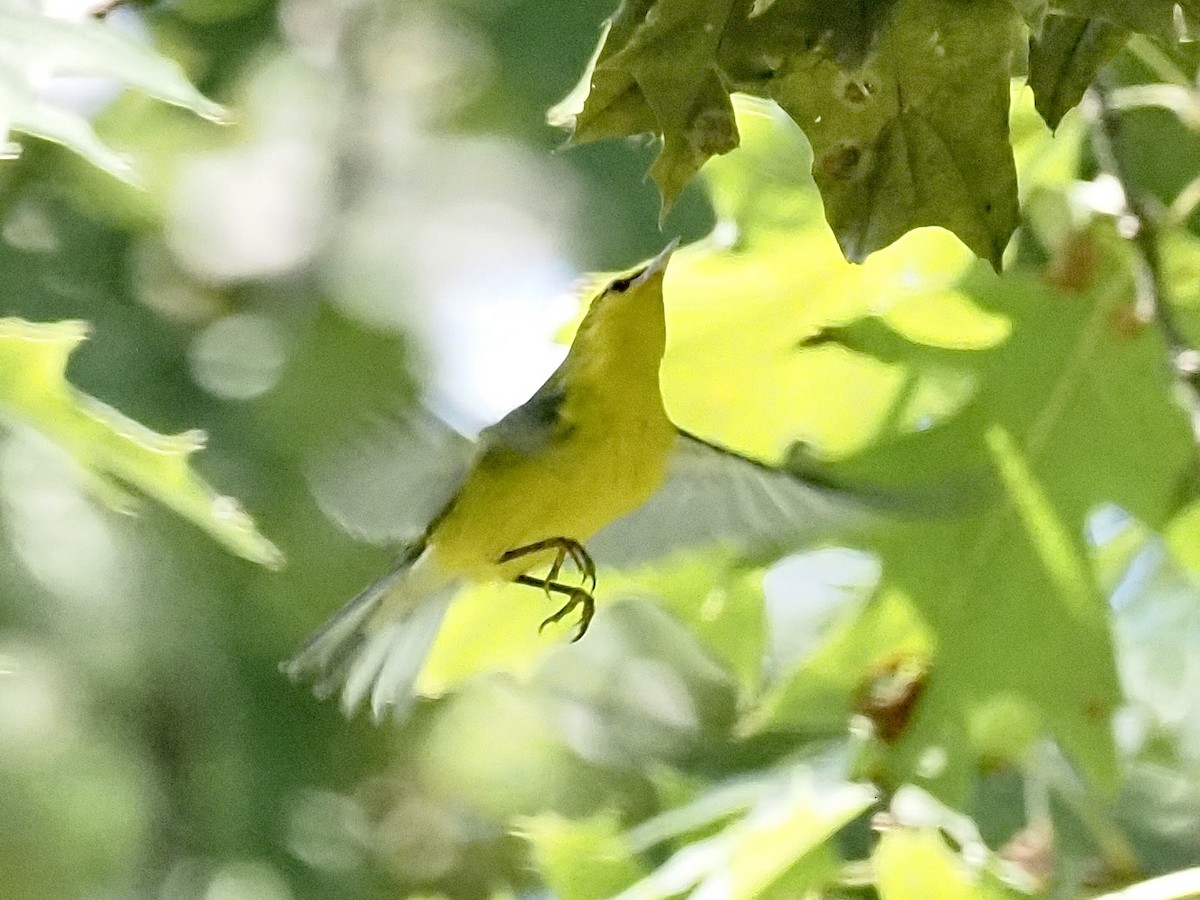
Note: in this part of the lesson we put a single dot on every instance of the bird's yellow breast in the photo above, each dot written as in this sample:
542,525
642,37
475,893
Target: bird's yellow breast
605,460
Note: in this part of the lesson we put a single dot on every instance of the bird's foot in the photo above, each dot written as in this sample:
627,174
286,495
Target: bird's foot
566,548
577,598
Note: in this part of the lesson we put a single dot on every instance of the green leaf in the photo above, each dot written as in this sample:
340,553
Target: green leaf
34,47
1157,17
1056,392
656,70
917,134
1046,165
581,859
1065,57
1183,538
784,836
917,864
920,361
821,692
905,103
113,448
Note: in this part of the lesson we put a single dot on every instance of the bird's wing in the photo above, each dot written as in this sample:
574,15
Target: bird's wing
533,424
716,498
388,482
391,480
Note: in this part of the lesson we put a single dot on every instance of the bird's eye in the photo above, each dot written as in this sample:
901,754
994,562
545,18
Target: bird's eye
621,285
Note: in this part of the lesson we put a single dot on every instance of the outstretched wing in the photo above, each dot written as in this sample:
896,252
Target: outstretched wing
387,483
716,498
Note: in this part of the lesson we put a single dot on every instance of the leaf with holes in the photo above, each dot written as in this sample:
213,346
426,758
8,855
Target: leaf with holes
917,132
904,101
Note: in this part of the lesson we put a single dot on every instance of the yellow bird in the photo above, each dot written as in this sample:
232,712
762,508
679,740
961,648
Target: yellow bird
591,455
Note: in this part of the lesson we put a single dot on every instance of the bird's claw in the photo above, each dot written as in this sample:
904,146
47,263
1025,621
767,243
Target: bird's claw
583,562
566,548
579,558
578,597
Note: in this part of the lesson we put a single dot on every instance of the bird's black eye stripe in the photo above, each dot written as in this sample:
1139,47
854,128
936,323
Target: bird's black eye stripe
621,285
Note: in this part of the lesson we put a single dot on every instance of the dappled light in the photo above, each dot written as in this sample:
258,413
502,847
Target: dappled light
876,398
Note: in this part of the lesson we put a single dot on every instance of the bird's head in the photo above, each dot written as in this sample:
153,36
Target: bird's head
645,281
629,311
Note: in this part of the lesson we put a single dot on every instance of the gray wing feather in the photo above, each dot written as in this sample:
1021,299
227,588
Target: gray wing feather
716,498
388,482
533,424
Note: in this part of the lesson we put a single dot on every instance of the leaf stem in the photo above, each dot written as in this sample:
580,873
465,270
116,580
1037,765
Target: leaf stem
1157,61
1143,218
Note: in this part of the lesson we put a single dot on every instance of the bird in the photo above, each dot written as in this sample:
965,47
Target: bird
590,468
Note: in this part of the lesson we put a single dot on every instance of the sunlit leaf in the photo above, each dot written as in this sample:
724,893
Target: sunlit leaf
823,690
1045,164
113,448
491,627
35,48
581,859
917,864
1000,382
976,580
783,835
775,309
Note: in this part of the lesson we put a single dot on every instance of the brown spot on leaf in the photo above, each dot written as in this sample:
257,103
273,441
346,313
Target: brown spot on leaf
857,93
827,334
1074,264
888,695
713,132
1124,323
1098,711
842,162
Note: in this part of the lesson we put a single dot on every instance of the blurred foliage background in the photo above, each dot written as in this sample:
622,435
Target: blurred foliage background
382,217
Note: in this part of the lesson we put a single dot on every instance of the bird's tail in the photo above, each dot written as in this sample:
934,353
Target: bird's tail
376,644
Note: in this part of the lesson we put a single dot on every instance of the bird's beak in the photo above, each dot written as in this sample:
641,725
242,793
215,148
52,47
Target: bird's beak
656,265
